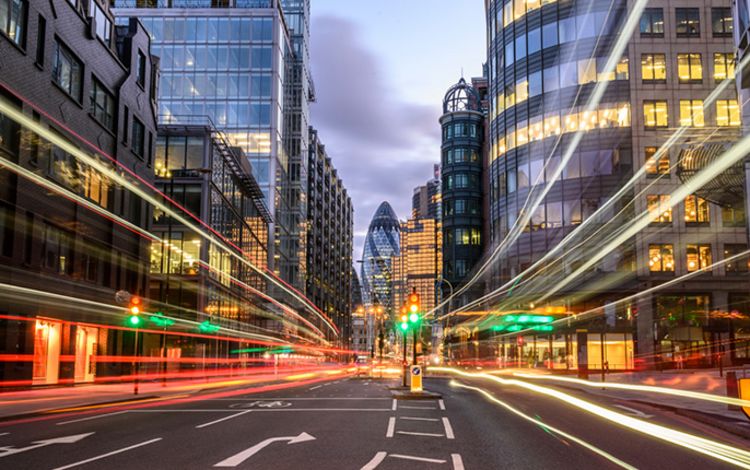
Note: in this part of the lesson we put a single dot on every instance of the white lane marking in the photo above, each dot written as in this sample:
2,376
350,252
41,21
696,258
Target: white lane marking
91,417
373,464
448,429
428,434
6,451
313,388
114,452
458,463
391,426
237,459
210,423
292,399
419,459
263,410
395,404
417,407
411,418
4,433
634,412
441,403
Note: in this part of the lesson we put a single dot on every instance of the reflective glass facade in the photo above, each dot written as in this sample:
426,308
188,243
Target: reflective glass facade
381,245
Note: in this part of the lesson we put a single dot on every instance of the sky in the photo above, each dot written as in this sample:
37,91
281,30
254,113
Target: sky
381,69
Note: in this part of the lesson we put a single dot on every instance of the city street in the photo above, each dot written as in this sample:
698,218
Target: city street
349,423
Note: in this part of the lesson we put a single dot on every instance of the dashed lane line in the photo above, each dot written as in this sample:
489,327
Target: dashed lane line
417,407
108,454
412,418
391,427
458,463
315,387
418,459
448,429
225,418
441,403
91,417
427,434
394,405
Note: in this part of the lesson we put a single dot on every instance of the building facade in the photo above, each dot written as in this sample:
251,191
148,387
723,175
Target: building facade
330,238
426,200
190,278
544,62
89,86
229,61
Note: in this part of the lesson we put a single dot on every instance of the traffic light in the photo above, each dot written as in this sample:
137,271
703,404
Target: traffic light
135,311
414,306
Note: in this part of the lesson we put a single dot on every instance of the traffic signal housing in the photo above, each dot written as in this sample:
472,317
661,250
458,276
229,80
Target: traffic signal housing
134,307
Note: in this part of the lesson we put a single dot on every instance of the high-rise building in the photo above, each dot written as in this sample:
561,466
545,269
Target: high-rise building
426,202
544,62
330,239
419,263
463,124
381,246
69,215
230,61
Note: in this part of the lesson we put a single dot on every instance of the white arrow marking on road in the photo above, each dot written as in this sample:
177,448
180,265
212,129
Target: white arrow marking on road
9,450
634,412
372,464
237,459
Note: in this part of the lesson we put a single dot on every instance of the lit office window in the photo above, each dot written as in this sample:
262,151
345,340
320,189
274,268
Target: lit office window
723,66
727,113
656,167
698,257
661,257
689,68
659,208
696,211
655,114
654,67
691,113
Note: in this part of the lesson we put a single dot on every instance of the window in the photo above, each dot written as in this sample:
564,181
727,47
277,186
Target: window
739,265
661,258
656,167
652,22
723,66
698,257
102,105
696,211
139,137
727,113
586,71
689,68
687,22
140,73
67,71
102,23
721,22
733,216
41,39
654,68
691,113
655,114
659,208
13,20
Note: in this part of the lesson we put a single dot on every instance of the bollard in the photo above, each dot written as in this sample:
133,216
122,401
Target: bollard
732,389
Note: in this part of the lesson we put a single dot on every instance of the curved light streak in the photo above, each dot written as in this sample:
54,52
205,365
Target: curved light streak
716,450
546,426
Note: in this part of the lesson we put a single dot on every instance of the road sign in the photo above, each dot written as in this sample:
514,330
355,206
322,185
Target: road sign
416,378
744,389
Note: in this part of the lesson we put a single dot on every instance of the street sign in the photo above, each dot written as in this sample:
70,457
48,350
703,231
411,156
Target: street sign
744,389
416,378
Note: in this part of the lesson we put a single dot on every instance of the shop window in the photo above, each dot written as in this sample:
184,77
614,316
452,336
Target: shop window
655,114
698,257
661,257
687,22
652,22
691,113
696,211
659,208
656,167
653,68
689,68
722,23
723,66
739,265
727,113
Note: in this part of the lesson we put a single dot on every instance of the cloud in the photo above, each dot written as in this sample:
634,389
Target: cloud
382,144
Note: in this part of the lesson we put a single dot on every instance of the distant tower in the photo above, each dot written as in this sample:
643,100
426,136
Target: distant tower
381,245
462,125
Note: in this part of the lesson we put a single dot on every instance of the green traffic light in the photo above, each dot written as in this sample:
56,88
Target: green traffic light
404,326
414,317
135,320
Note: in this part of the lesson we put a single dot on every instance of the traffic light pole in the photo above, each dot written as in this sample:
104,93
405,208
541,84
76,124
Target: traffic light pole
414,346
136,364
405,366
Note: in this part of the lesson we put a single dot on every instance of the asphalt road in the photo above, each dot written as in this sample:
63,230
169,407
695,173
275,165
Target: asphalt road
341,424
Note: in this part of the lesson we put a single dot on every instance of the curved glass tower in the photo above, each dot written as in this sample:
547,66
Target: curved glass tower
462,125
381,245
